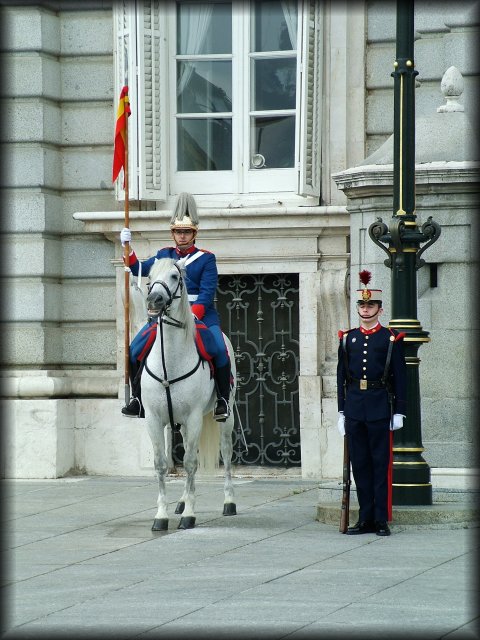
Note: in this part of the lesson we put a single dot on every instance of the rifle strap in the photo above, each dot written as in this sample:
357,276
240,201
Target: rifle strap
388,359
345,359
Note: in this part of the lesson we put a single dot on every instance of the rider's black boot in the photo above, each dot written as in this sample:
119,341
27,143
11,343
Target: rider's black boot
134,409
222,384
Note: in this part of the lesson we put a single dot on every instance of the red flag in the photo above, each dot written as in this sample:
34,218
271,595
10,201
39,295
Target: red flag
120,130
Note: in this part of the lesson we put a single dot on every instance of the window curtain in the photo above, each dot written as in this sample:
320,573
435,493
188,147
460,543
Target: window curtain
192,38
289,8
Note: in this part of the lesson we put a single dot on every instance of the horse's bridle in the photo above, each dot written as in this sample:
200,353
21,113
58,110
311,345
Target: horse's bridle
164,318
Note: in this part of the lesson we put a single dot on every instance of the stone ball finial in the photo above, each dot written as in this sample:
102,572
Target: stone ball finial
452,88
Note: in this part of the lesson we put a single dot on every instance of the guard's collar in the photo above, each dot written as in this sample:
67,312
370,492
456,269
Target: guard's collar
374,329
187,251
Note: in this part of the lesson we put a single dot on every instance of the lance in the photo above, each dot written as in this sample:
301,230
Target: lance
127,275
120,160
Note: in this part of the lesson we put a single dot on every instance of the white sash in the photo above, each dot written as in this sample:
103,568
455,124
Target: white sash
191,296
193,257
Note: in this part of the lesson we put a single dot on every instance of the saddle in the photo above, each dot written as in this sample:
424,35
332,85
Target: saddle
204,341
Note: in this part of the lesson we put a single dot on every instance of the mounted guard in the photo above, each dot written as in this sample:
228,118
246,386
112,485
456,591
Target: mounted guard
178,390
201,282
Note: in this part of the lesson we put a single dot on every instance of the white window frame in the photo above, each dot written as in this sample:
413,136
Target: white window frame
199,182
145,28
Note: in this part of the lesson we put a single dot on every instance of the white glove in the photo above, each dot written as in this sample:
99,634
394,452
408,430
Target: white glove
341,423
397,422
125,236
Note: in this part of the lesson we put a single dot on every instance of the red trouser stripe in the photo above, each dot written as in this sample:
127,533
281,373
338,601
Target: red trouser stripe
390,477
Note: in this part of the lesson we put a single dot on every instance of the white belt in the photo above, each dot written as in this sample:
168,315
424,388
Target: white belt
192,298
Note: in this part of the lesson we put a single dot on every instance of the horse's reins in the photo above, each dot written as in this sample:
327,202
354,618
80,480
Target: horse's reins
179,325
171,297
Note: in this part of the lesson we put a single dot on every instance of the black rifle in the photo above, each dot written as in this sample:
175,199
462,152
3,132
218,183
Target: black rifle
345,511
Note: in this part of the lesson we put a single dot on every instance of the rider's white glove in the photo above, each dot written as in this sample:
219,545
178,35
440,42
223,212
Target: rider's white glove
125,236
397,422
341,423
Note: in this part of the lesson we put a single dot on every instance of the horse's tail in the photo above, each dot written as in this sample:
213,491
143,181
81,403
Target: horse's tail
233,370
209,446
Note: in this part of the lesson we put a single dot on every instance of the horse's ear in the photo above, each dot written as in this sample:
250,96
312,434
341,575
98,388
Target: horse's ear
181,264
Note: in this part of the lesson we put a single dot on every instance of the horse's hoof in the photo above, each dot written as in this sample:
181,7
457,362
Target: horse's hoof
160,524
229,509
180,507
187,522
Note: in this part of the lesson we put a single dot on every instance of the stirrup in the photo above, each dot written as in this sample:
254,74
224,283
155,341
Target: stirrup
134,409
221,411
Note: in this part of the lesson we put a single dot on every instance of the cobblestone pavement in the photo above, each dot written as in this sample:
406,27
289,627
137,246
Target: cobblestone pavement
81,561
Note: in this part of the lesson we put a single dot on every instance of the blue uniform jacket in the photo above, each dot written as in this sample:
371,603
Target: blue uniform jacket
367,353
201,279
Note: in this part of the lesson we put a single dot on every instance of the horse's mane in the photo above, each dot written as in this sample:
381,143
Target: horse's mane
184,312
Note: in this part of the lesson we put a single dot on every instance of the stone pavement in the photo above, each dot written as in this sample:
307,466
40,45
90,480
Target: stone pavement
81,561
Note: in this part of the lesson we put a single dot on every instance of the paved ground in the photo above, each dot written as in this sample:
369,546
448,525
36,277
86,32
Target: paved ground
81,561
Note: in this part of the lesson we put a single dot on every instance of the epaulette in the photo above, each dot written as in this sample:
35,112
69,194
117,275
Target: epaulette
343,333
204,250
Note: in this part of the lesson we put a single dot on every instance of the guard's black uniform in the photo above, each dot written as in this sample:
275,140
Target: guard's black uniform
363,397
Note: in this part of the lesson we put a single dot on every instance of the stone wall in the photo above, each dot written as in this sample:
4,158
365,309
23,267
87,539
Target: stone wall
62,318
57,143
62,376
445,36
59,312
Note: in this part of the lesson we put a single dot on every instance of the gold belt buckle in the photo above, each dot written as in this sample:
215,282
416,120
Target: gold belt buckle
363,385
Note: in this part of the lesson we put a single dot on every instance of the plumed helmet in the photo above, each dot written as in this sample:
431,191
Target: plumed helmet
185,214
366,294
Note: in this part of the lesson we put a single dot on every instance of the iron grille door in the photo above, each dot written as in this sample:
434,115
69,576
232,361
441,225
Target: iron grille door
260,314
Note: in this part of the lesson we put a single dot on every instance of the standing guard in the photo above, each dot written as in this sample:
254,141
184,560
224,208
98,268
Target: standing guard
371,388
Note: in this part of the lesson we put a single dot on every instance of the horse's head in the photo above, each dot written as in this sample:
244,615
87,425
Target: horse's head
166,285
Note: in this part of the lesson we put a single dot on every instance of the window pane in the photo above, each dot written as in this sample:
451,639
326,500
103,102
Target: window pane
204,28
204,87
274,139
275,83
275,25
204,144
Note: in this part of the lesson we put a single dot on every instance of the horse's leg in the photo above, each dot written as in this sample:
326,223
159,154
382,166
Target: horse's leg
226,449
157,436
181,503
191,437
171,469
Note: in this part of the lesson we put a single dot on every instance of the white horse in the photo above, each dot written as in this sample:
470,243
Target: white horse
177,388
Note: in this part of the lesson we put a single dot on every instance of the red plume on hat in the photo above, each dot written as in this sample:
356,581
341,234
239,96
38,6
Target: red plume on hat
365,276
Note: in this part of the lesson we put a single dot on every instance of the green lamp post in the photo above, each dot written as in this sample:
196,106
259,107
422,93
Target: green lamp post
401,241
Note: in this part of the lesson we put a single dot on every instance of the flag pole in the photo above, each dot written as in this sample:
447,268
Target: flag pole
127,274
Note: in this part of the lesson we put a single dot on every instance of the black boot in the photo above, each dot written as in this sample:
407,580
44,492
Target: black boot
134,408
222,384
